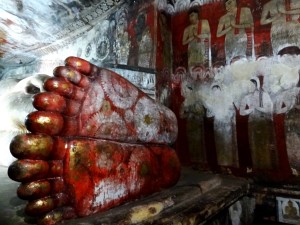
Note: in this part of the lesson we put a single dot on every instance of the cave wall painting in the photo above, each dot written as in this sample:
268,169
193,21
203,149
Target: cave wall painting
163,58
28,28
235,85
124,41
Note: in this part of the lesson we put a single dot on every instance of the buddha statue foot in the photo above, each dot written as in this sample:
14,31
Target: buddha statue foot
68,177
96,142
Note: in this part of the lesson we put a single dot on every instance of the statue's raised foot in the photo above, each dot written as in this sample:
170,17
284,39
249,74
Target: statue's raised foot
69,177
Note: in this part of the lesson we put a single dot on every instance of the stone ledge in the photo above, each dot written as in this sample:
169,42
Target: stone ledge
196,198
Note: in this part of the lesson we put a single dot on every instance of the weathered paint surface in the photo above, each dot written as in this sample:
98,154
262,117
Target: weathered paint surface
245,90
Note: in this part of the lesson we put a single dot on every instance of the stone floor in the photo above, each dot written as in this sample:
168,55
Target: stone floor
203,193
11,207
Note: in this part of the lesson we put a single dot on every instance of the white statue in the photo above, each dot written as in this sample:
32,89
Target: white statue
16,102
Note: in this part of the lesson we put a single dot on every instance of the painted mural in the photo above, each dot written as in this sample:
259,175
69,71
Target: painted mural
235,84
28,28
116,40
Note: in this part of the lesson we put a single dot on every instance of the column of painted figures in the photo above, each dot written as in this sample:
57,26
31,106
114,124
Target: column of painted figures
297,105
259,106
237,26
287,99
145,43
197,36
284,15
166,37
219,106
95,142
257,100
192,105
122,38
290,105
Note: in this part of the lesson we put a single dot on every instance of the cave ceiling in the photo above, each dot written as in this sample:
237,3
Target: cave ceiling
32,28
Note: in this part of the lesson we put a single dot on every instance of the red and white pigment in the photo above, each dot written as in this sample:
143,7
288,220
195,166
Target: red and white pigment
95,142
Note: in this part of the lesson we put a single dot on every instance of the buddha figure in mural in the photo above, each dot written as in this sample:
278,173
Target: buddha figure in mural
291,211
122,38
95,142
197,37
237,26
259,106
284,17
145,42
219,108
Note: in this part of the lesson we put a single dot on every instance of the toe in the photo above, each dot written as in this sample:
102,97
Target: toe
34,190
26,170
40,188
50,101
31,146
38,146
44,205
72,75
57,215
82,66
45,122
65,88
